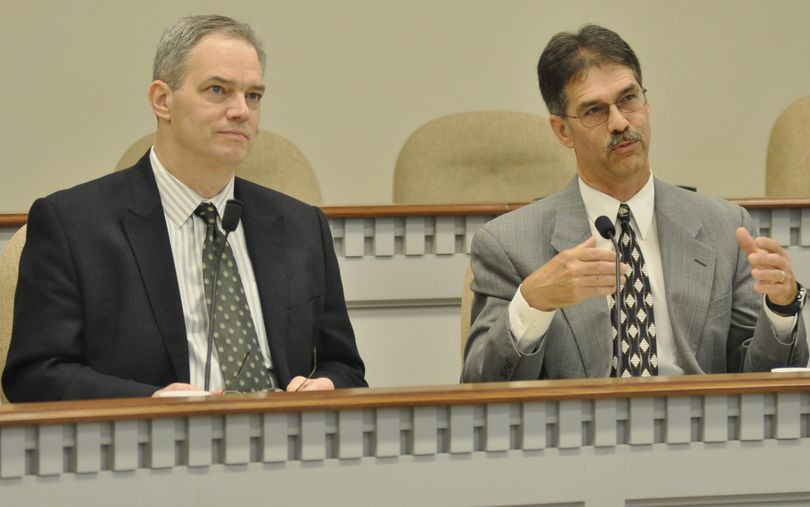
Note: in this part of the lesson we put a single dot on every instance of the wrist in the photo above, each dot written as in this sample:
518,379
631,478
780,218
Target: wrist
793,307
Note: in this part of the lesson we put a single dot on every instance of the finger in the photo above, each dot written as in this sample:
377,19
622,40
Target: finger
604,268
588,243
769,244
603,280
768,260
296,383
306,385
772,276
319,384
595,254
745,240
179,386
591,268
592,292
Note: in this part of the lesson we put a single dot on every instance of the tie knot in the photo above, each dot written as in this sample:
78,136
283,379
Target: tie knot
208,212
624,213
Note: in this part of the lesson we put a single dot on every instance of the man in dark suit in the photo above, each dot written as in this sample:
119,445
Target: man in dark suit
115,279
700,294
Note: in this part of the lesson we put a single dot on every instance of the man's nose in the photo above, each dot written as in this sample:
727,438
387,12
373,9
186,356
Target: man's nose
616,120
238,108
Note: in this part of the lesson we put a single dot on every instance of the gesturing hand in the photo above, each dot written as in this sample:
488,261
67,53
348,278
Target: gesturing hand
770,267
572,276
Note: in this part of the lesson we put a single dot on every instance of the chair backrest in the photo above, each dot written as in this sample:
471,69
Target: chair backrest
274,162
788,161
466,309
9,271
482,156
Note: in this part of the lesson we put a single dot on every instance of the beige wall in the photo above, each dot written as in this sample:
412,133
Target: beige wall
350,79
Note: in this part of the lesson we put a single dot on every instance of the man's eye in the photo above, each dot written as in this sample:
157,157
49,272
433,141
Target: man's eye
216,89
593,111
254,96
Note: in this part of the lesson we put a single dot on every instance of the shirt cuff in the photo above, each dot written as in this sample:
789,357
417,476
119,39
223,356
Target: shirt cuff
527,324
782,326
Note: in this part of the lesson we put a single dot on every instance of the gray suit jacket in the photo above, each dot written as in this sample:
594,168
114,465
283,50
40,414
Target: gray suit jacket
717,320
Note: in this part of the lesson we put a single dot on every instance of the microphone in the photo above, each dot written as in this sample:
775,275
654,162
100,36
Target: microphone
606,228
230,220
231,216
608,231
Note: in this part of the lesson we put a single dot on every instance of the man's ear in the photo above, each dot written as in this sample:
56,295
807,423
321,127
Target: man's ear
561,129
160,99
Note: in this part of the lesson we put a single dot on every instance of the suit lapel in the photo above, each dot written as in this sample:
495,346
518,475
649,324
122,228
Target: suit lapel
145,228
688,266
264,235
589,320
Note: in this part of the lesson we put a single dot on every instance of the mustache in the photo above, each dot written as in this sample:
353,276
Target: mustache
623,137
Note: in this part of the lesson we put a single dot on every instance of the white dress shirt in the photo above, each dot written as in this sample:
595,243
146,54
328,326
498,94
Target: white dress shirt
528,325
187,236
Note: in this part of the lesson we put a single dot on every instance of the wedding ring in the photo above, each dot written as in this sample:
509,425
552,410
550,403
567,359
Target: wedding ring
784,275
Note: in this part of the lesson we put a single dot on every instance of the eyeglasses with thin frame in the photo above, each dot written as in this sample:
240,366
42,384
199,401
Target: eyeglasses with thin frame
236,375
597,114
244,360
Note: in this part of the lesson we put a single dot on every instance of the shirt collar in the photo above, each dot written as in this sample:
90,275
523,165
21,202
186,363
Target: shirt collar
179,201
641,205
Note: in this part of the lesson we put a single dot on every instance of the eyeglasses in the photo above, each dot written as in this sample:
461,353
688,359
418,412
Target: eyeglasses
236,375
597,114
244,360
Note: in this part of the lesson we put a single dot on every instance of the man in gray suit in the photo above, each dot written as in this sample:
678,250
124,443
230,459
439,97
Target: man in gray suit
700,294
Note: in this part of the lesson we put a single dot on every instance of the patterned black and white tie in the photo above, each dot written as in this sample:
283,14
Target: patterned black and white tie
234,335
638,347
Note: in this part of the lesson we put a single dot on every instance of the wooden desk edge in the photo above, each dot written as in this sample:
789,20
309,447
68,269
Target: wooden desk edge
356,399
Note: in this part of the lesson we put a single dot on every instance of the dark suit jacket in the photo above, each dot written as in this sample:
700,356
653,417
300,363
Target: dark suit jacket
98,314
718,325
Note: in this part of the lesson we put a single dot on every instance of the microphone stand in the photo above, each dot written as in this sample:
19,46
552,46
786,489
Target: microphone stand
608,231
617,311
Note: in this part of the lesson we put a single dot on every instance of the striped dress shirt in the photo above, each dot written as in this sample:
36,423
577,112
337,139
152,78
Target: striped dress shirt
187,236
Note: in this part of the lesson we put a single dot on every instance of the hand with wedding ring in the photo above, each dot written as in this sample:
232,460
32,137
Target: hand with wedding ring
770,267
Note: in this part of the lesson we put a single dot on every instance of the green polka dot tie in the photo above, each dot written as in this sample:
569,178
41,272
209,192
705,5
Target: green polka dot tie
235,340
638,347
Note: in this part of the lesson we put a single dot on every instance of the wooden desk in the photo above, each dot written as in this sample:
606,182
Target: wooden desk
708,440
403,268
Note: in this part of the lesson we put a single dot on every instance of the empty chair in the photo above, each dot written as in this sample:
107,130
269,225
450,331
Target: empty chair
466,309
482,156
9,271
788,161
274,162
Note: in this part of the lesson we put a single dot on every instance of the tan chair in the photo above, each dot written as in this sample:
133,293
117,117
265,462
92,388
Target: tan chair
482,156
9,271
788,161
466,309
274,162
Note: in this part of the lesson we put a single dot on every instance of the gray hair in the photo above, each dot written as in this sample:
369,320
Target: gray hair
179,39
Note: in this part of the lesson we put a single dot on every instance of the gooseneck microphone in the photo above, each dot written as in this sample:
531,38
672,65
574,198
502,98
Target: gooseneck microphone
230,220
608,231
